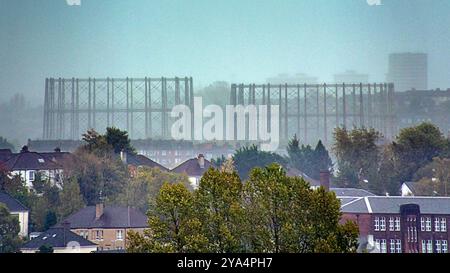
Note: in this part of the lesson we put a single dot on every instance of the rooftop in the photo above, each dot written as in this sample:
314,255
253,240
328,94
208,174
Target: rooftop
57,238
11,203
192,166
391,204
112,217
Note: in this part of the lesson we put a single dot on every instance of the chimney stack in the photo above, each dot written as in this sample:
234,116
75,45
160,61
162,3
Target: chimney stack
201,161
325,179
123,156
98,211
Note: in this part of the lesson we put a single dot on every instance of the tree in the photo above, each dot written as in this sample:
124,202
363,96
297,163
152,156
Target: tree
285,215
119,140
70,199
142,189
45,249
9,230
417,146
217,204
357,156
309,161
434,178
247,158
4,144
100,178
50,220
172,227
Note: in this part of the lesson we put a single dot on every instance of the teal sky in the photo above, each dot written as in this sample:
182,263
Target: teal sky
232,40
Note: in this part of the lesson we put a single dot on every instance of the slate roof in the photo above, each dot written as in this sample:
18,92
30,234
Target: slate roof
141,160
56,238
391,204
411,186
113,217
192,168
30,161
293,172
351,192
11,203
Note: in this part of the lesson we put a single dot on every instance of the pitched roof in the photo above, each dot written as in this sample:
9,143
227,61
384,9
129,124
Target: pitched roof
141,160
411,186
57,238
11,203
351,192
30,161
5,154
112,217
192,168
293,172
391,204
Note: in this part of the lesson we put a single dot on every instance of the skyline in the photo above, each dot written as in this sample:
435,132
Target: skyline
234,41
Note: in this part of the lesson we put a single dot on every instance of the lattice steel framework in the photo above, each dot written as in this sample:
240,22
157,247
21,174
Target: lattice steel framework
313,111
141,106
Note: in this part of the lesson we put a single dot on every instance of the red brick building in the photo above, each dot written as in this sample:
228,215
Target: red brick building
400,224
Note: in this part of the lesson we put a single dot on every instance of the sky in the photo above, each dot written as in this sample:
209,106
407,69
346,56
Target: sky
230,40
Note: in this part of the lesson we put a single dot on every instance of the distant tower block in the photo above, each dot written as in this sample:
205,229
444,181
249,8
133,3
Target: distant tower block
140,106
312,111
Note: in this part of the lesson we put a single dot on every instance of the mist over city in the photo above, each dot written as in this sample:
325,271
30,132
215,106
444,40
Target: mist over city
236,127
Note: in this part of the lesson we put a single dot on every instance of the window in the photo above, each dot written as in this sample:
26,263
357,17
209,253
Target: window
392,246
391,224
377,223
84,234
98,235
399,246
383,246
424,246
429,246
438,246
444,246
437,224
428,224
415,235
377,244
397,223
422,224
119,234
383,224
444,224
32,176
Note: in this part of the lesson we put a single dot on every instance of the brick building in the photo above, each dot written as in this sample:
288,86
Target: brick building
400,224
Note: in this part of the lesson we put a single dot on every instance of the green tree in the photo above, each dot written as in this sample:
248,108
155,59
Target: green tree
119,140
9,230
172,227
218,205
70,199
142,189
247,158
357,156
45,249
434,178
415,147
50,220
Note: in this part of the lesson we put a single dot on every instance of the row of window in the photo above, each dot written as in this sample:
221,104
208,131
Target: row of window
380,223
439,246
395,246
440,224
98,234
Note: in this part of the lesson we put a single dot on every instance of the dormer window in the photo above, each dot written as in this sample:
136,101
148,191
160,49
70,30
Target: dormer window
41,160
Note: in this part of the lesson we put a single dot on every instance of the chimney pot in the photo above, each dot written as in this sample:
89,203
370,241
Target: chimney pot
123,156
99,211
201,161
325,179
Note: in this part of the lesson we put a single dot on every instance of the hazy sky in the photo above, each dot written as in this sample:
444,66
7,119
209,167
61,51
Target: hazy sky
232,40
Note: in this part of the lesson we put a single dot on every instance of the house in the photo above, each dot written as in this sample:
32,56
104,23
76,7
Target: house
106,226
5,154
194,168
62,240
134,161
400,224
17,209
28,165
408,189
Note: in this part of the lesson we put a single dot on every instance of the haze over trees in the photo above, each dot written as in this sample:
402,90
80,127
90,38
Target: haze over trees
270,213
